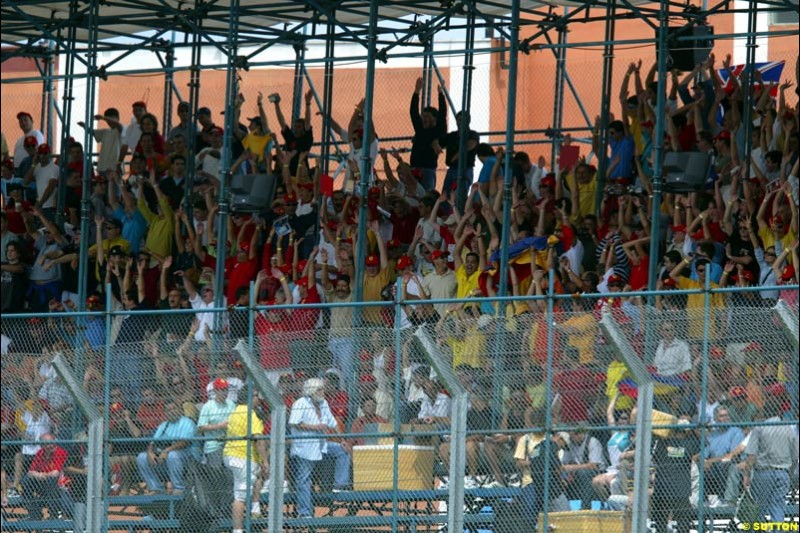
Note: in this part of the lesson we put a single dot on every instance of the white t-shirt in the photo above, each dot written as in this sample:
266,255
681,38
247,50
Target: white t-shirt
131,134
19,147
34,429
209,163
351,185
110,140
412,289
42,176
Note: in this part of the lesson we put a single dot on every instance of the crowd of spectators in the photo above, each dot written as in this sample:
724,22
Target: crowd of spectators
153,242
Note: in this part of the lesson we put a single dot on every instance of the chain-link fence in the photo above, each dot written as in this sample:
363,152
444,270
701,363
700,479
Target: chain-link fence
378,435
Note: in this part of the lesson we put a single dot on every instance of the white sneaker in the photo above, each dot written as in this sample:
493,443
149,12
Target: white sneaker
471,483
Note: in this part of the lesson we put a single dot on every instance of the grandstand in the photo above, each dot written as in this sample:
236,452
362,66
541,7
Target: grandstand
373,306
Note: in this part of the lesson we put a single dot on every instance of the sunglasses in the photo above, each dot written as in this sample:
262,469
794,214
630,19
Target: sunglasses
701,270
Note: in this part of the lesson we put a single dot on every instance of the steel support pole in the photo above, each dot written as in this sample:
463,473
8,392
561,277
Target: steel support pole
194,105
605,98
427,69
548,393
297,88
169,82
69,98
466,106
658,152
703,420
558,96
231,93
511,116
747,83
366,162
49,94
327,97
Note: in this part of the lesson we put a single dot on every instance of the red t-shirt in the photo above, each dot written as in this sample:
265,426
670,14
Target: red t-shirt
575,386
305,320
273,339
404,227
639,273
15,223
150,417
45,461
239,275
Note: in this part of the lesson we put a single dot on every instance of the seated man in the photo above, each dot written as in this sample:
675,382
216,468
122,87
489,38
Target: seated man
40,484
582,460
721,442
310,421
168,454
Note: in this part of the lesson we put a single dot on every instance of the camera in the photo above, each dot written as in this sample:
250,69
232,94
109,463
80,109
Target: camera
274,98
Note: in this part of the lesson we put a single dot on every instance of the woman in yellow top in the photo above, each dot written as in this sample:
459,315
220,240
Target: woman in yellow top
235,456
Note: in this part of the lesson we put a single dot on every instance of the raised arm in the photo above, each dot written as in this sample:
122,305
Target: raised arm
413,111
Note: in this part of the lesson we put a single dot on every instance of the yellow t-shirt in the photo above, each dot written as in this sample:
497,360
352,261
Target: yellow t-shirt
583,340
616,372
586,199
695,308
108,244
237,427
768,239
469,351
257,144
466,284
373,285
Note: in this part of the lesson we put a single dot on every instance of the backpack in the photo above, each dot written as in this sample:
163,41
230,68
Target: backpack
208,497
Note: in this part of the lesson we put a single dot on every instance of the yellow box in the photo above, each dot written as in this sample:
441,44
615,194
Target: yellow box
373,467
661,418
584,522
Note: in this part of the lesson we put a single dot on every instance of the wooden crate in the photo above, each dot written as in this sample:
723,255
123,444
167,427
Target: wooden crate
584,522
373,467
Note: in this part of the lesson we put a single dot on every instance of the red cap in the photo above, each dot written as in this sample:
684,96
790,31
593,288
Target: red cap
30,140
724,135
8,163
669,282
680,228
717,352
367,378
43,148
746,274
788,273
139,103
220,384
776,389
737,392
404,262
24,114
115,407
615,279
373,260
393,243
753,347
303,281
549,181
438,253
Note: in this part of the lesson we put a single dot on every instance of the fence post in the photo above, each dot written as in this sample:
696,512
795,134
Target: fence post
458,431
644,419
277,434
95,500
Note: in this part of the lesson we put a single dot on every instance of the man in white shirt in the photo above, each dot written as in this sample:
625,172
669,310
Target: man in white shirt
26,125
199,302
130,137
672,355
110,140
209,159
440,284
45,174
310,421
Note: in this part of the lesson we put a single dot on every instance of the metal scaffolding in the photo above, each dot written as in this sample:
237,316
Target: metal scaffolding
78,32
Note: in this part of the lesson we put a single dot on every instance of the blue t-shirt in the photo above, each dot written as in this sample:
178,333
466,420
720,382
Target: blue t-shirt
486,172
134,227
623,148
